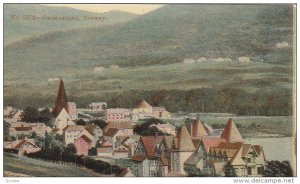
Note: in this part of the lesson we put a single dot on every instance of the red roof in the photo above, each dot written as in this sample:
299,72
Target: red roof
149,143
228,145
61,100
231,133
212,142
22,128
111,132
139,158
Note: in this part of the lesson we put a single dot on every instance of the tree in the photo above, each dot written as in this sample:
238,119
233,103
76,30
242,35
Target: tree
93,151
276,168
81,122
59,137
69,152
101,123
33,135
192,171
229,170
146,128
48,140
238,125
45,117
30,114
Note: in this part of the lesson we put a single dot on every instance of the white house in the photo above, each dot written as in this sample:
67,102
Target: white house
244,59
63,119
98,106
98,68
282,44
189,61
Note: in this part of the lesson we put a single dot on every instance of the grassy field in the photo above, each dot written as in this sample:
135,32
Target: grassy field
32,167
248,76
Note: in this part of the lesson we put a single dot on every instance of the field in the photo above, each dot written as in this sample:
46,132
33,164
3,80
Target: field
20,166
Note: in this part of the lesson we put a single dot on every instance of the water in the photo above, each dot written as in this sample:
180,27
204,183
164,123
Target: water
277,148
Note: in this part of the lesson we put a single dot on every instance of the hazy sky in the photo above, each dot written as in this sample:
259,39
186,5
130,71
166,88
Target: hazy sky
133,8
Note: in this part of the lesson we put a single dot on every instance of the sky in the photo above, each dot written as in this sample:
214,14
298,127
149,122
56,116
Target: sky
100,8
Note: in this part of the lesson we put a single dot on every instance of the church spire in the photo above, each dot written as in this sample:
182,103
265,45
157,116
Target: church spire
60,100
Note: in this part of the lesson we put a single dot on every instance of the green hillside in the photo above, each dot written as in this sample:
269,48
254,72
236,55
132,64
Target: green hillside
149,49
15,30
32,167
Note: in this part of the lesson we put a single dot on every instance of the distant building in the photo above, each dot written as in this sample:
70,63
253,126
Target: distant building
189,61
114,66
143,108
98,68
53,79
282,44
21,147
72,110
244,59
105,151
118,114
98,106
22,130
160,112
202,59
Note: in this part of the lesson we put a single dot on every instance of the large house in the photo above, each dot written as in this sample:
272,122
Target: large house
145,161
182,149
212,154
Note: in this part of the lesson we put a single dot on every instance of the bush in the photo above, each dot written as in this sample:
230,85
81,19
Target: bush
229,171
276,168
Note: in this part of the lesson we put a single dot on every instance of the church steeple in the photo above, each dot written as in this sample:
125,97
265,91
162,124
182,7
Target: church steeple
61,100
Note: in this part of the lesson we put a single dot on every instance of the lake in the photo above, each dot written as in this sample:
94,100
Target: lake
277,148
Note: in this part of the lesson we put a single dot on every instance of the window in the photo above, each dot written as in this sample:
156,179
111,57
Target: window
260,170
249,169
242,171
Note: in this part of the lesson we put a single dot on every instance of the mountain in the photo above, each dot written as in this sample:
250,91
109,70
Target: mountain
150,50
19,28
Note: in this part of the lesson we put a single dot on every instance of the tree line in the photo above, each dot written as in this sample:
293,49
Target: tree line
263,102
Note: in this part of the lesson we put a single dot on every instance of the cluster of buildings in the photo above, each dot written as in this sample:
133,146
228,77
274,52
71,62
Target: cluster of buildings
242,59
194,145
